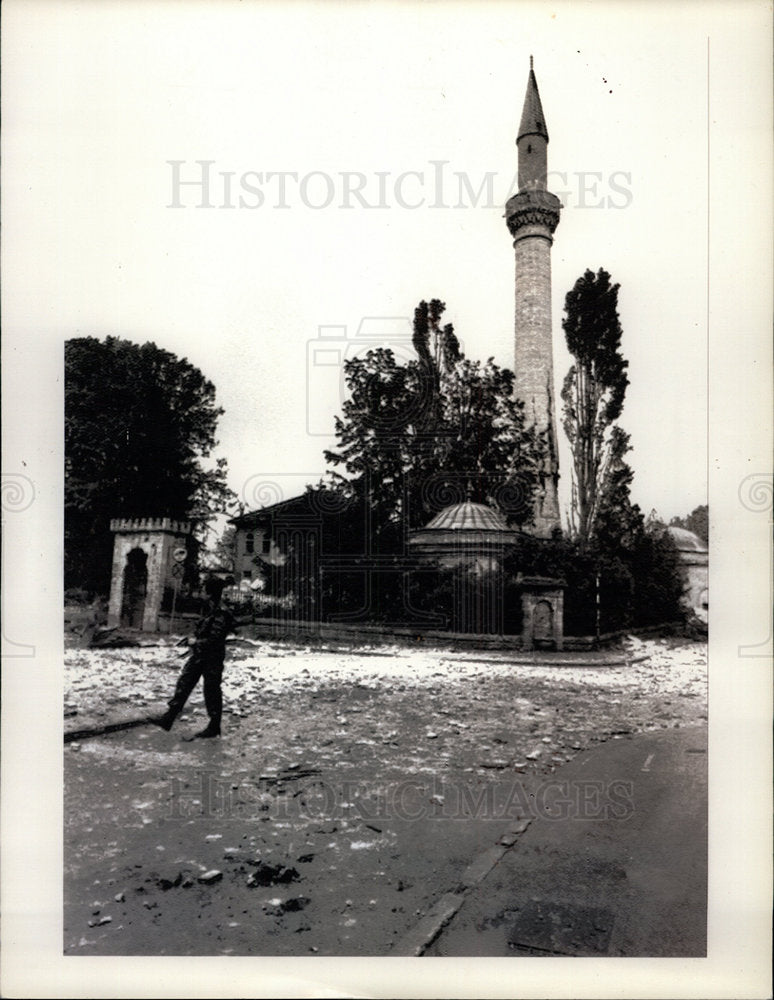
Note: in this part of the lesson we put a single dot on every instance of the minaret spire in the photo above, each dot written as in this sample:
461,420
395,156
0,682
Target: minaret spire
532,139
532,216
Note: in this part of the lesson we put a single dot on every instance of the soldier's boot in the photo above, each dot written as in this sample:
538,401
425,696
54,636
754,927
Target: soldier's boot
211,729
165,720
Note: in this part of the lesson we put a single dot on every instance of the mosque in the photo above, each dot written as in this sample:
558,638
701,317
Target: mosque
467,534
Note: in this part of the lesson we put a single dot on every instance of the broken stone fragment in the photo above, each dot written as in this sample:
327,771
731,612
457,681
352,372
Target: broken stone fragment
100,921
170,880
210,877
296,903
535,754
268,874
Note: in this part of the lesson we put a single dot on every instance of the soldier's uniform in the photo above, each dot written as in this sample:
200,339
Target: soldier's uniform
205,660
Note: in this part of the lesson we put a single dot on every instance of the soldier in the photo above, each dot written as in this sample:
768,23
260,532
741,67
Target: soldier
205,660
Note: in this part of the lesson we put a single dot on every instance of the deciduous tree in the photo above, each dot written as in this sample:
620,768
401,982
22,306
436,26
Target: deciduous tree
697,522
139,423
417,435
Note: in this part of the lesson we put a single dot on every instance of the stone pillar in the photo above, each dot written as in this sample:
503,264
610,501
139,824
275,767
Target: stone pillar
144,549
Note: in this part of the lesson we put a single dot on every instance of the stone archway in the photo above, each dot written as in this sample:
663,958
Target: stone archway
543,625
135,588
542,604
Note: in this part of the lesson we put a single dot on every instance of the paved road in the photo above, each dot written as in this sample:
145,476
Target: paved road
622,872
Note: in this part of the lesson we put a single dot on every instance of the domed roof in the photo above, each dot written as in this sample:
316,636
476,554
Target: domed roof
467,516
686,541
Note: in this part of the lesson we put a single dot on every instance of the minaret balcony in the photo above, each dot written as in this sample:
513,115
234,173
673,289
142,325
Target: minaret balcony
532,208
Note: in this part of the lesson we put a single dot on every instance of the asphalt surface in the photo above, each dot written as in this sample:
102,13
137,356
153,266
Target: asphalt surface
615,862
358,805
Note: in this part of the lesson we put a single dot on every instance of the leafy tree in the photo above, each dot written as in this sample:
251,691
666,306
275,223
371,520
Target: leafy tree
138,422
659,577
593,395
224,549
416,436
697,522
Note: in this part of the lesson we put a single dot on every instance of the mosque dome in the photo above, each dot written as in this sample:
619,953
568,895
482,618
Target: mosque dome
467,516
467,533
686,541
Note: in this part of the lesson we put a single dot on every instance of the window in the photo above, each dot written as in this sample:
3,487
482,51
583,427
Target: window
247,574
249,542
265,545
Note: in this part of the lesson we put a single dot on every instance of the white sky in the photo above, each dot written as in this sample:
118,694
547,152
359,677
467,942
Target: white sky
114,91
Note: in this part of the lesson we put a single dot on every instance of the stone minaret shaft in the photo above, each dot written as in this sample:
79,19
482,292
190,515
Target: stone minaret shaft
532,216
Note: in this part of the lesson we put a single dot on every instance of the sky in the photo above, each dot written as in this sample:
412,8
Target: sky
394,126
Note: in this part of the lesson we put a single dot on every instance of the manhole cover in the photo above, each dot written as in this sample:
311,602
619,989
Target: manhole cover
547,928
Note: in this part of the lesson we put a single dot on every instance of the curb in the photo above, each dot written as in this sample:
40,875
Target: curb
621,661
417,940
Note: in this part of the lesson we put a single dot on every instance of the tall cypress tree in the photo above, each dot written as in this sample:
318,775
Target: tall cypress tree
593,395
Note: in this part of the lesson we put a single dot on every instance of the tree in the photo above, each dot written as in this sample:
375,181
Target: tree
659,577
640,579
224,549
419,435
138,423
697,522
593,395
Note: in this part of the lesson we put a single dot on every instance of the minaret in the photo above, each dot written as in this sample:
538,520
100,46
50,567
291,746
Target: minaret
532,216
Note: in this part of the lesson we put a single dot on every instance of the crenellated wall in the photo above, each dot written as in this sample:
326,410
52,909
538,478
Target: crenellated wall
147,524
144,564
